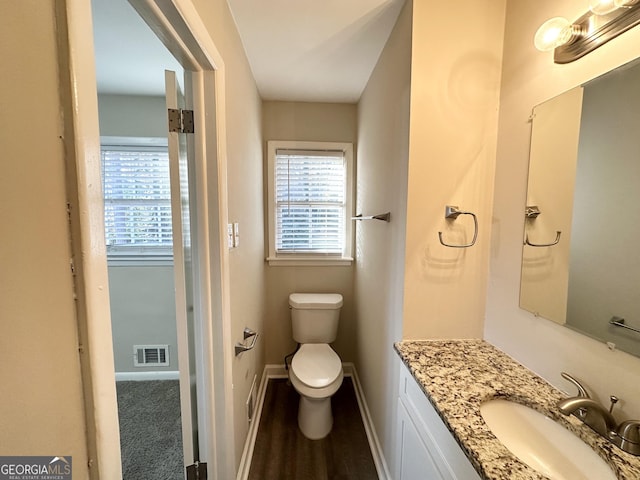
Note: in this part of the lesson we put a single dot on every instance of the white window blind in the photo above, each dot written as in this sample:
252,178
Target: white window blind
137,200
310,201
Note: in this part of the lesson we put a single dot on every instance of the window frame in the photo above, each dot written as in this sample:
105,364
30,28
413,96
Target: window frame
308,258
142,256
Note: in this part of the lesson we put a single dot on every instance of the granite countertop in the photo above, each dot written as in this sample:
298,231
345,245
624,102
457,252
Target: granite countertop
457,376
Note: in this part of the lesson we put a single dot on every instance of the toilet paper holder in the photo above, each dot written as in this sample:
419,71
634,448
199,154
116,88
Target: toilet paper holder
241,346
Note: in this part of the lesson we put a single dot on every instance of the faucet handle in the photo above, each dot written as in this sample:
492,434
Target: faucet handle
582,392
629,434
630,431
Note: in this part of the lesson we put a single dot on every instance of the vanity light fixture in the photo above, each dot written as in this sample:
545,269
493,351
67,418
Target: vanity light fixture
555,32
602,7
605,20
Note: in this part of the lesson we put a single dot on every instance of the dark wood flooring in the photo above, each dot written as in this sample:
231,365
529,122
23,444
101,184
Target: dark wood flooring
282,453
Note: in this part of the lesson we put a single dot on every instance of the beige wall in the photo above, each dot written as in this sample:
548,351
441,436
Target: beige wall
455,81
529,78
320,122
244,177
383,158
41,406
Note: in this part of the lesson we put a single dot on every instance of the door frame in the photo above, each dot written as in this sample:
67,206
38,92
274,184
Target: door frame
178,25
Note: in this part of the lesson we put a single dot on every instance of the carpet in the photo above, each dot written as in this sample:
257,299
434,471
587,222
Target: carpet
150,430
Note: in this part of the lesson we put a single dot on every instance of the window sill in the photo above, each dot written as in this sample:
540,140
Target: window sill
139,260
302,261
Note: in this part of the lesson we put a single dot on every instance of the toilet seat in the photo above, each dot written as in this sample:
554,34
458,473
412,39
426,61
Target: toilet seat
316,365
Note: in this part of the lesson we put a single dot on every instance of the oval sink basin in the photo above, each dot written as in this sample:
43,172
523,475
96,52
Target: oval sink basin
543,444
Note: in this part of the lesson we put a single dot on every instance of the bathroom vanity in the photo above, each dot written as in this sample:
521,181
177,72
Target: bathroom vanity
441,432
426,449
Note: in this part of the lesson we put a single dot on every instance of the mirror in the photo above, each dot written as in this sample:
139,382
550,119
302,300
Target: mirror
581,253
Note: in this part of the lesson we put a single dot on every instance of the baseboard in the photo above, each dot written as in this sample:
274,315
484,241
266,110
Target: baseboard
279,371
142,376
374,444
270,371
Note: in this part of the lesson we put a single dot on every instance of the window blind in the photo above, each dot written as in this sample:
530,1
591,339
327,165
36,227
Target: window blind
137,200
310,190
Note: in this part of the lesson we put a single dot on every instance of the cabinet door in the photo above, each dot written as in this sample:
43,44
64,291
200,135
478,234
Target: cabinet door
441,450
414,459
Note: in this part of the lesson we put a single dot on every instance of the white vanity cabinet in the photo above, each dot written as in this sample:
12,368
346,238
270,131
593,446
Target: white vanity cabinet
425,447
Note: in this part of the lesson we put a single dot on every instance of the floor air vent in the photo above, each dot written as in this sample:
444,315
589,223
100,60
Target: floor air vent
151,355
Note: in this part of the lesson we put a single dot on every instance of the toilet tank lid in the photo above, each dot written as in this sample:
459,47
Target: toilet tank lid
317,301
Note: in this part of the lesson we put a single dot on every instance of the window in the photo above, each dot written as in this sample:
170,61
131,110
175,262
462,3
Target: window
137,200
310,208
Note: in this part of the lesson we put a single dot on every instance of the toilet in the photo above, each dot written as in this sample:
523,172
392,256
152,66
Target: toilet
316,369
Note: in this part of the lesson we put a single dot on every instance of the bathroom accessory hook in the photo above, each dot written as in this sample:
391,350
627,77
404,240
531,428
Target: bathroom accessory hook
452,212
532,211
246,333
381,216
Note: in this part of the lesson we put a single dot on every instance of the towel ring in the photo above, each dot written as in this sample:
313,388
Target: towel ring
555,242
453,212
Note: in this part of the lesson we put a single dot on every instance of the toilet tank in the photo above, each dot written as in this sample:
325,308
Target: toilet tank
314,316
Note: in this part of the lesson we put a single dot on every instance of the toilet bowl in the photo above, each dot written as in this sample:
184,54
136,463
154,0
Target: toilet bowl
316,369
316,374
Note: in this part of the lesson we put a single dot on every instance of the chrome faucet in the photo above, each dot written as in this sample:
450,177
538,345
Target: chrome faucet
598,418
629,434
582,392
595,415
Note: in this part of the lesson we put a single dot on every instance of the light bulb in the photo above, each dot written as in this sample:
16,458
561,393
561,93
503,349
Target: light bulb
602,7
554,32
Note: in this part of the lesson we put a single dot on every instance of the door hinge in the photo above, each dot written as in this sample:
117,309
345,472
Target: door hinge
180,121
197,471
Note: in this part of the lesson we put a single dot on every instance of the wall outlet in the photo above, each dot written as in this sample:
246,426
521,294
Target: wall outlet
236,234
230,235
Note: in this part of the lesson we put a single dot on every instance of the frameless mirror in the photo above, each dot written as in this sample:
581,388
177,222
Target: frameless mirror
580,260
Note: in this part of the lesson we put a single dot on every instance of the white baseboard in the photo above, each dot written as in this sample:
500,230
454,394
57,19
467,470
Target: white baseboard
279,371
142,376
270,371
374,444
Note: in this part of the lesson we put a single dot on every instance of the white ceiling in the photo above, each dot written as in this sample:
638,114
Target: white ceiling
299,50
130,60
314,50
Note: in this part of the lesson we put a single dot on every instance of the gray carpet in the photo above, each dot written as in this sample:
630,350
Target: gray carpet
150,430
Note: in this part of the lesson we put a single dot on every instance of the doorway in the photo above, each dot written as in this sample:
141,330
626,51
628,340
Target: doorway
139,239
177,23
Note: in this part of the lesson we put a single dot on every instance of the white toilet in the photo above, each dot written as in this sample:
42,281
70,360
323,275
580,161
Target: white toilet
316,369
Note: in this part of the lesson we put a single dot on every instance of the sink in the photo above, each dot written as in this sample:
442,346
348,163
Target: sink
543,444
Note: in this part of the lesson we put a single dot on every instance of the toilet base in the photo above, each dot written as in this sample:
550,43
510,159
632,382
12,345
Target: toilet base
315,419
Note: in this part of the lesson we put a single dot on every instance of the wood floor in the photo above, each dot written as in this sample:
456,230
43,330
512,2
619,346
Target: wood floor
282,453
